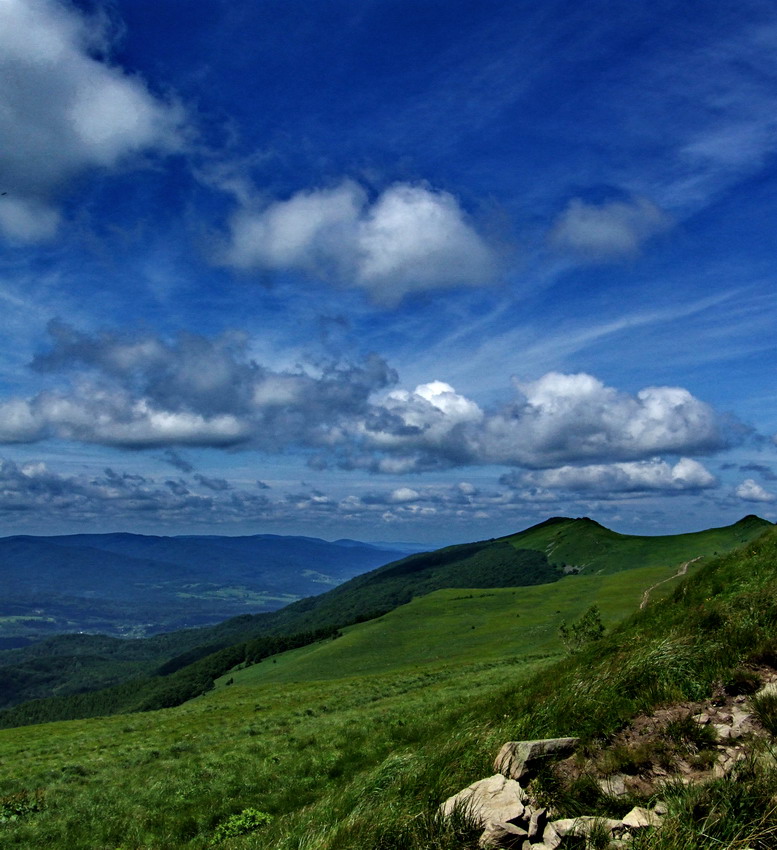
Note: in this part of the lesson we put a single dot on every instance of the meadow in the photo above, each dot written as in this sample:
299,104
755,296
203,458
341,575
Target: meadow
352,743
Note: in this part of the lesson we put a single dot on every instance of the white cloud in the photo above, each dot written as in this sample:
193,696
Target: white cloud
63,111
571,418
633,477
404,494
145,392
750,491
607,231
411,238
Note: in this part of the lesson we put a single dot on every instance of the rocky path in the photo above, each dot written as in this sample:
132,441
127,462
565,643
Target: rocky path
680,572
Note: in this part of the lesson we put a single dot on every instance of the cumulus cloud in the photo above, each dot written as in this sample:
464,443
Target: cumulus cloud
33,488
145,392
410,238
607,231
634,477
65,110
751,491
555,420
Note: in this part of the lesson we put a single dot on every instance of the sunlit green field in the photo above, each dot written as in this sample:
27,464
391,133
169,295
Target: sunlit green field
463,626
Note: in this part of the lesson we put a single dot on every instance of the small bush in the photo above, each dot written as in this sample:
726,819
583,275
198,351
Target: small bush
14,807
246,821
587,629
689,736
742,682
765,709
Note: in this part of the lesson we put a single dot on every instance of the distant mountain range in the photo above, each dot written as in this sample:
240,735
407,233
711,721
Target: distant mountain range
132,585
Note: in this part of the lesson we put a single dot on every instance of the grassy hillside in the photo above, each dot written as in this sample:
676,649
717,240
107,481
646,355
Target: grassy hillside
450,627
592,548
75,664
363,762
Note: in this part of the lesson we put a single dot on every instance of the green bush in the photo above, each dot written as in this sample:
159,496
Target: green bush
765,709
587,629
246,821
14,807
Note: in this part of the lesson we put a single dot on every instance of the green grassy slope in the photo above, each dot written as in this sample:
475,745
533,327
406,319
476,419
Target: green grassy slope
87,663
363,762
451,627
593,548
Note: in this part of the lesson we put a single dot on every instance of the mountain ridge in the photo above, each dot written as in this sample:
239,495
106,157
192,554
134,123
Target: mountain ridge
499,562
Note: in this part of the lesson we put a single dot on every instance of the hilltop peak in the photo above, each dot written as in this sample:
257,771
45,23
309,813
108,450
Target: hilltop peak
565,520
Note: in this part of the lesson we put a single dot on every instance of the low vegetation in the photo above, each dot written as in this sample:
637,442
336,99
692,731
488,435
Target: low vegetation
364,761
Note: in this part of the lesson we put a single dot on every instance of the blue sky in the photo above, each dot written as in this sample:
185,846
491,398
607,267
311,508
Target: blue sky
427,271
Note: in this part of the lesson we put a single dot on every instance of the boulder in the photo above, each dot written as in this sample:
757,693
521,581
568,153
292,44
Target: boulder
489,801
580,827
639,818
516,759
614,786
503,835
550,838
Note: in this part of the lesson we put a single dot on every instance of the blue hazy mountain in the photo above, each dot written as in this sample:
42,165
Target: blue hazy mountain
134,584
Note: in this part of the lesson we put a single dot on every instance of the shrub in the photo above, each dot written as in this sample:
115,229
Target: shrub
240,824
765,709
14,807
742,681
587,629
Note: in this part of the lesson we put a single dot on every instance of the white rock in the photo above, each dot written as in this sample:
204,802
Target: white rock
639,818
614,786
493,800
502,835
580,827
517,758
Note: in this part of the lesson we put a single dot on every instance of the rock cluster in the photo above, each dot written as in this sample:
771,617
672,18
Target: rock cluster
511,819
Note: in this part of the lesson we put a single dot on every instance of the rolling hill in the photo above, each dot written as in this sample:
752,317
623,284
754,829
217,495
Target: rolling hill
132,585
365,758
185,663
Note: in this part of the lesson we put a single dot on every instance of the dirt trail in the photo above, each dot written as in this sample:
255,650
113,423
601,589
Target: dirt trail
680,572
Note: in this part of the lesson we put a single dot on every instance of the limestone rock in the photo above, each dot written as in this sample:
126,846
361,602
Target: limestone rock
493,800
537,821
639,818
580,827
614,786
518,758
551,838
503,835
